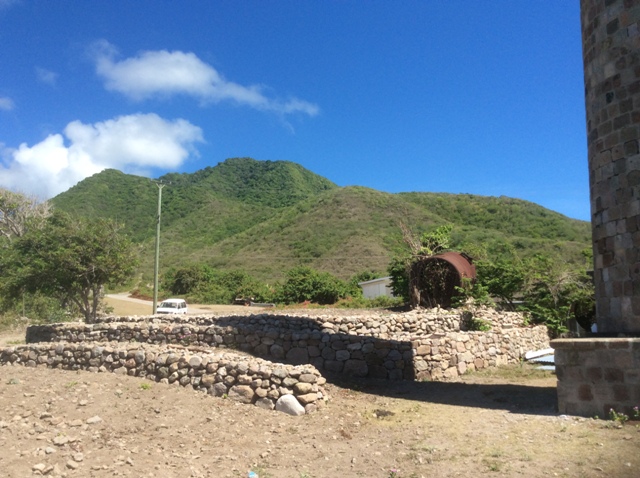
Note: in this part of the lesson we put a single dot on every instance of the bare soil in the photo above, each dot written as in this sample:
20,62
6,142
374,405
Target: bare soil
497,423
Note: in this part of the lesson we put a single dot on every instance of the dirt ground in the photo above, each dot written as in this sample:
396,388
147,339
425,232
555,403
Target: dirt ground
501,423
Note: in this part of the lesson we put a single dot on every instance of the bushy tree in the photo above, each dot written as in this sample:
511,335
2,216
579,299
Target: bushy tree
188,279
553,293
306,284
502,279
398,270
202,283
69,259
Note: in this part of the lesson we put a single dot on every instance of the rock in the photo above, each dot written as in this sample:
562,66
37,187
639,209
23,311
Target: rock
195,361
277,351
60,440
289,382
265,403
241,393
39,467
289,405
307,398
218,390
280,373
298,356
72,465
301,388
93,420
261,392
357,368
334,365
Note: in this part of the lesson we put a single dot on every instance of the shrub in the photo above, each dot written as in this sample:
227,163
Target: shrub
306,284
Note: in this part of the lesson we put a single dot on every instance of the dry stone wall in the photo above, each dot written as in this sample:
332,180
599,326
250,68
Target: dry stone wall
419,345
292,389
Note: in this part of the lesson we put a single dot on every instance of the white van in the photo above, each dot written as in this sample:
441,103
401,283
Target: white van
172,306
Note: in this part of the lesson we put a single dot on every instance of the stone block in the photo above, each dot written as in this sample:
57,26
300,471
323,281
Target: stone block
621,393
333,365
298,356
357,368
377,371
594,374
585,393
613,375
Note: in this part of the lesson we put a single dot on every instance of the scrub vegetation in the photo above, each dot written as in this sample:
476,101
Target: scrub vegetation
272,231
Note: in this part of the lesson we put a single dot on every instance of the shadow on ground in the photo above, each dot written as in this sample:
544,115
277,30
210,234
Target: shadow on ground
513,398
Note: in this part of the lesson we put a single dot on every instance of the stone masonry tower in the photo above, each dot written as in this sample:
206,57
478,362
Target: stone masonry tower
611,52
601,373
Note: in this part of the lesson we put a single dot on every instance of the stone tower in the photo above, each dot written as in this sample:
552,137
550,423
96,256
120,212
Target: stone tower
611,53
601,373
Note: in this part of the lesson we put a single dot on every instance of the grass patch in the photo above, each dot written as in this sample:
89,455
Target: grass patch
260,471
514,372
15,342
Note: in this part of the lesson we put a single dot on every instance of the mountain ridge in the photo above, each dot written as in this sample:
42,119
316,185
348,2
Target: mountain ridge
268,216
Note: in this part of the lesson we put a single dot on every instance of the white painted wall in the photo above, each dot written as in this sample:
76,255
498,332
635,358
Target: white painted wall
376,287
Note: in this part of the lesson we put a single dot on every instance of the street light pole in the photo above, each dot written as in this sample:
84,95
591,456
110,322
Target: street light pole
157,261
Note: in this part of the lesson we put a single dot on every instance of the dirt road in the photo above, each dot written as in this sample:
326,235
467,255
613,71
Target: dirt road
122,304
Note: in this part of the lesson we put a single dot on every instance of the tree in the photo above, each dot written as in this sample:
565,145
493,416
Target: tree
18,212
188,279
71,260
502,279
306,284
554,293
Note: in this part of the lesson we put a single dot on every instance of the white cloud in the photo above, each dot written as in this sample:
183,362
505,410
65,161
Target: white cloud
46,76
164,73
132,143
6,103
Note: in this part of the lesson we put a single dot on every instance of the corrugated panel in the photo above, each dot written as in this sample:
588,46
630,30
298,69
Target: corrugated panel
461,263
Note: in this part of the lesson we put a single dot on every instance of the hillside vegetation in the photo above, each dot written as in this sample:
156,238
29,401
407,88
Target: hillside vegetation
265,217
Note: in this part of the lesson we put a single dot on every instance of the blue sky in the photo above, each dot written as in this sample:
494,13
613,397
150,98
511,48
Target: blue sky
441,96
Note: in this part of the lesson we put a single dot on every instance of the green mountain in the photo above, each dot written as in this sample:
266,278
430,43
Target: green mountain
266,217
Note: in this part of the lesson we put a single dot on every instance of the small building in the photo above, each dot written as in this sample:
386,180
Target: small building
376,288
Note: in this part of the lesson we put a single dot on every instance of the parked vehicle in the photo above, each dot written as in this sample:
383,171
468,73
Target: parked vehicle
172,306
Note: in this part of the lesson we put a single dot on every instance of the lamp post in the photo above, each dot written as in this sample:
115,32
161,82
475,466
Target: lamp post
157,261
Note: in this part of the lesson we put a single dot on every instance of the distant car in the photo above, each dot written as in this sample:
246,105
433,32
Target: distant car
172,306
